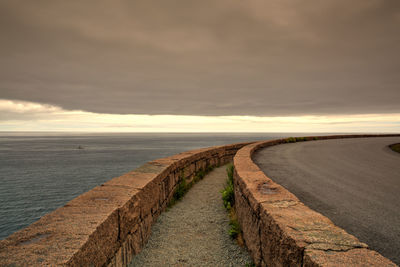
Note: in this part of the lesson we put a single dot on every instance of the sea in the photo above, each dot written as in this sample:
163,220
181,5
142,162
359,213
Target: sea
40,172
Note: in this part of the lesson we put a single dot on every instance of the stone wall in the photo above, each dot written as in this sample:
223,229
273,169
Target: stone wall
109,224
279,230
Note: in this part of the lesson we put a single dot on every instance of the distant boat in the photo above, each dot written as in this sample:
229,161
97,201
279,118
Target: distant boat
80,147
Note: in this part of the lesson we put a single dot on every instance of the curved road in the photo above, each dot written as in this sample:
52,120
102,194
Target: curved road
354,182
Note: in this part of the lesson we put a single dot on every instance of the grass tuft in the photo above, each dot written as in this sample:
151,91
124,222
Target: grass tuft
228,194
181,189
209,168
290,140
184,186
298,139
395,147
228,197
235,229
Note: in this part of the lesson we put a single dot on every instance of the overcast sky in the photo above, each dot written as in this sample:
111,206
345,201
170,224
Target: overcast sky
208,57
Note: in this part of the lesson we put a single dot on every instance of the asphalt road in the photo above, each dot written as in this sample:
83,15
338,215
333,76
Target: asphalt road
354,182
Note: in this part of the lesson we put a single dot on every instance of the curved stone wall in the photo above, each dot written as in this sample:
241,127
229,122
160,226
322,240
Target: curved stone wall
279,230
109,224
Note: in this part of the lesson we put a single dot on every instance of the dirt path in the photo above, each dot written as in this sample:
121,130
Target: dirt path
194,232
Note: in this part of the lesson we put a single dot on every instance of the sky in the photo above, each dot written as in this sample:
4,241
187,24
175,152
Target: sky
183,65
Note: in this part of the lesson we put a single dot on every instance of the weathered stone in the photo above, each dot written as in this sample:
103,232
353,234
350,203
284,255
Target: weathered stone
359,257
132,246
307,226
133,179
278,229
71,235
277,248
250,222
151,167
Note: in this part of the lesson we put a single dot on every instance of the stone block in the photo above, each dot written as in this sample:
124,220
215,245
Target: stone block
250,224
357,257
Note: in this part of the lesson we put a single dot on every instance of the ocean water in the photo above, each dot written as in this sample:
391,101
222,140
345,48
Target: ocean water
41,172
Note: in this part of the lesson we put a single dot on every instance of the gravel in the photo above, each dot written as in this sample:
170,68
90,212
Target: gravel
194,232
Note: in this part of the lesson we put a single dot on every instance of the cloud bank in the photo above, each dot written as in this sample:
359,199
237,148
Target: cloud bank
28,116
219,57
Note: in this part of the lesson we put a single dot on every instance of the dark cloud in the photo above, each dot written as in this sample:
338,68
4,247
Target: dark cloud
203,57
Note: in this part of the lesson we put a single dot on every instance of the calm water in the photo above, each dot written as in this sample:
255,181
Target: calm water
39,173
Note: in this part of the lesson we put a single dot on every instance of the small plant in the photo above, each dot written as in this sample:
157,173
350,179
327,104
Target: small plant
235,229
290,140
184,186
209,168
395,147
228,193
228,197
200,174
181,189
229,172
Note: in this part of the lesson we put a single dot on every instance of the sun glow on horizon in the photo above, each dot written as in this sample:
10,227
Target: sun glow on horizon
31,116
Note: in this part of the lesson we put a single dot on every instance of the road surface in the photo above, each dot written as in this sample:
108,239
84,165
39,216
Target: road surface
354,182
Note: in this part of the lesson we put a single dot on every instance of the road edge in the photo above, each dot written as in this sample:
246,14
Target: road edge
279,230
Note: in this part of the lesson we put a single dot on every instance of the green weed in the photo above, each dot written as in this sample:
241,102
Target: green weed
228,197
235,229
296,139
181,189
200,174
228,193
184,186
209,168
290,140
395,147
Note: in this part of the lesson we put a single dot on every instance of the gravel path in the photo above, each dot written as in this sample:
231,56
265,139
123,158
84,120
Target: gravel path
194,232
